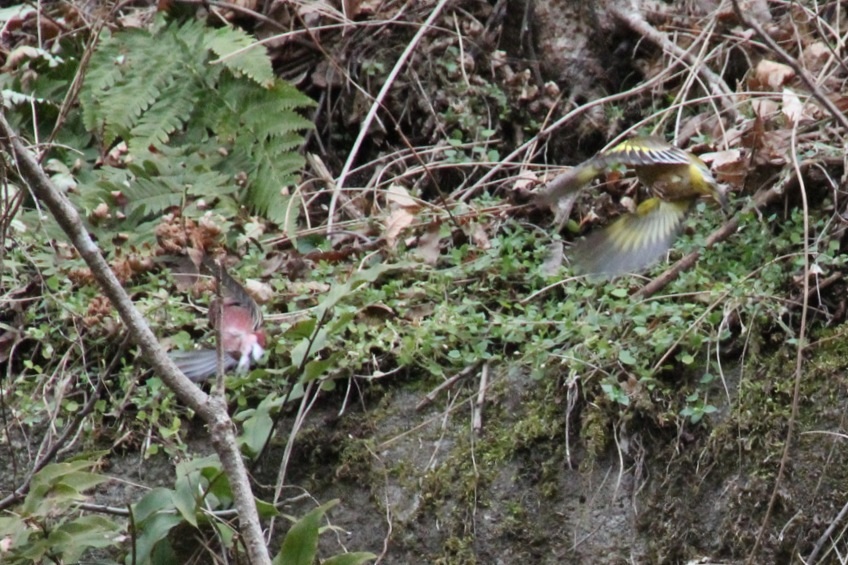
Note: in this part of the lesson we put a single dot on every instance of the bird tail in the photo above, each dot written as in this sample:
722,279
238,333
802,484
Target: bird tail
200,364
569,184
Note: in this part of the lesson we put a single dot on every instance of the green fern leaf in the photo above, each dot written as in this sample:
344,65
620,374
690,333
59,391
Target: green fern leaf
160,180
149,196
240,53
104,72
145,87
165,116
146,68
274,172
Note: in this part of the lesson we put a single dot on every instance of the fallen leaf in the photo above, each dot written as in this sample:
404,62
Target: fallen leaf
100,212
376,314
525,181
729,166
765,107
398,220
480,237
260,291
8,339
292,264
793,108
814,56
429,245
770,75
399,196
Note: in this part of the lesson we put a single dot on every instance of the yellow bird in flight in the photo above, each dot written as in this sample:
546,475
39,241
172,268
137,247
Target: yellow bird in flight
633,242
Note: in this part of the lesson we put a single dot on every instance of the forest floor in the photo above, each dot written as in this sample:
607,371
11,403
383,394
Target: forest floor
433,361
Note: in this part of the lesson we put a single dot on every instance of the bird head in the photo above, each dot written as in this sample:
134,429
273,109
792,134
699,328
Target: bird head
705,184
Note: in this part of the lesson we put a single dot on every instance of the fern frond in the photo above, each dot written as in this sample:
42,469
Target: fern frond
160,180
103,73
157,91
165,116
142,70
149,196
273,172
239,53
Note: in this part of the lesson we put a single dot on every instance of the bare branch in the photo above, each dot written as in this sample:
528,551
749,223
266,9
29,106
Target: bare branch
213,411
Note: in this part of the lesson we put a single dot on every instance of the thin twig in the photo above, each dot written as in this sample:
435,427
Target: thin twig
235,7
477,423
814,554
511,159
70,99
718,87
73,425
210,409
799,354
372,112
219,332
431,396
815,91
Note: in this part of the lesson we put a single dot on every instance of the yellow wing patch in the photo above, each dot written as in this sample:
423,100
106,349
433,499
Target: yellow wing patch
631,243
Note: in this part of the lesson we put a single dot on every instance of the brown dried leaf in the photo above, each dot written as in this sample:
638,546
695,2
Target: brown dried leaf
261,292
100,212
840,100
526,180
765,107
8,339
309,287
770,75
774,148
814,56
480,237
397,195
429,245
376,314
291,264
793,108
729,166
19,56
184,271
398,220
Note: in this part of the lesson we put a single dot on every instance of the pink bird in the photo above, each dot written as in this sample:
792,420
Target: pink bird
242,336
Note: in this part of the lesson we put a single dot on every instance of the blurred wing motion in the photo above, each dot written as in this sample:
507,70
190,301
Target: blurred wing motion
568,185
642,151
200,364
675,178
633,242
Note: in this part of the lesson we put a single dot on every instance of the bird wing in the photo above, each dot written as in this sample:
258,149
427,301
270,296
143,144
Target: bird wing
200,364
642,151
234,293
568,184
633,242
635,152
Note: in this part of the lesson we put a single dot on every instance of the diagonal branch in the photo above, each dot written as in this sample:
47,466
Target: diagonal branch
213,411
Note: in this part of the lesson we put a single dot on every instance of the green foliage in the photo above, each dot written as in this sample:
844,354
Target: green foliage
200,489
43,529
300,546
191,124
653,357
309,353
